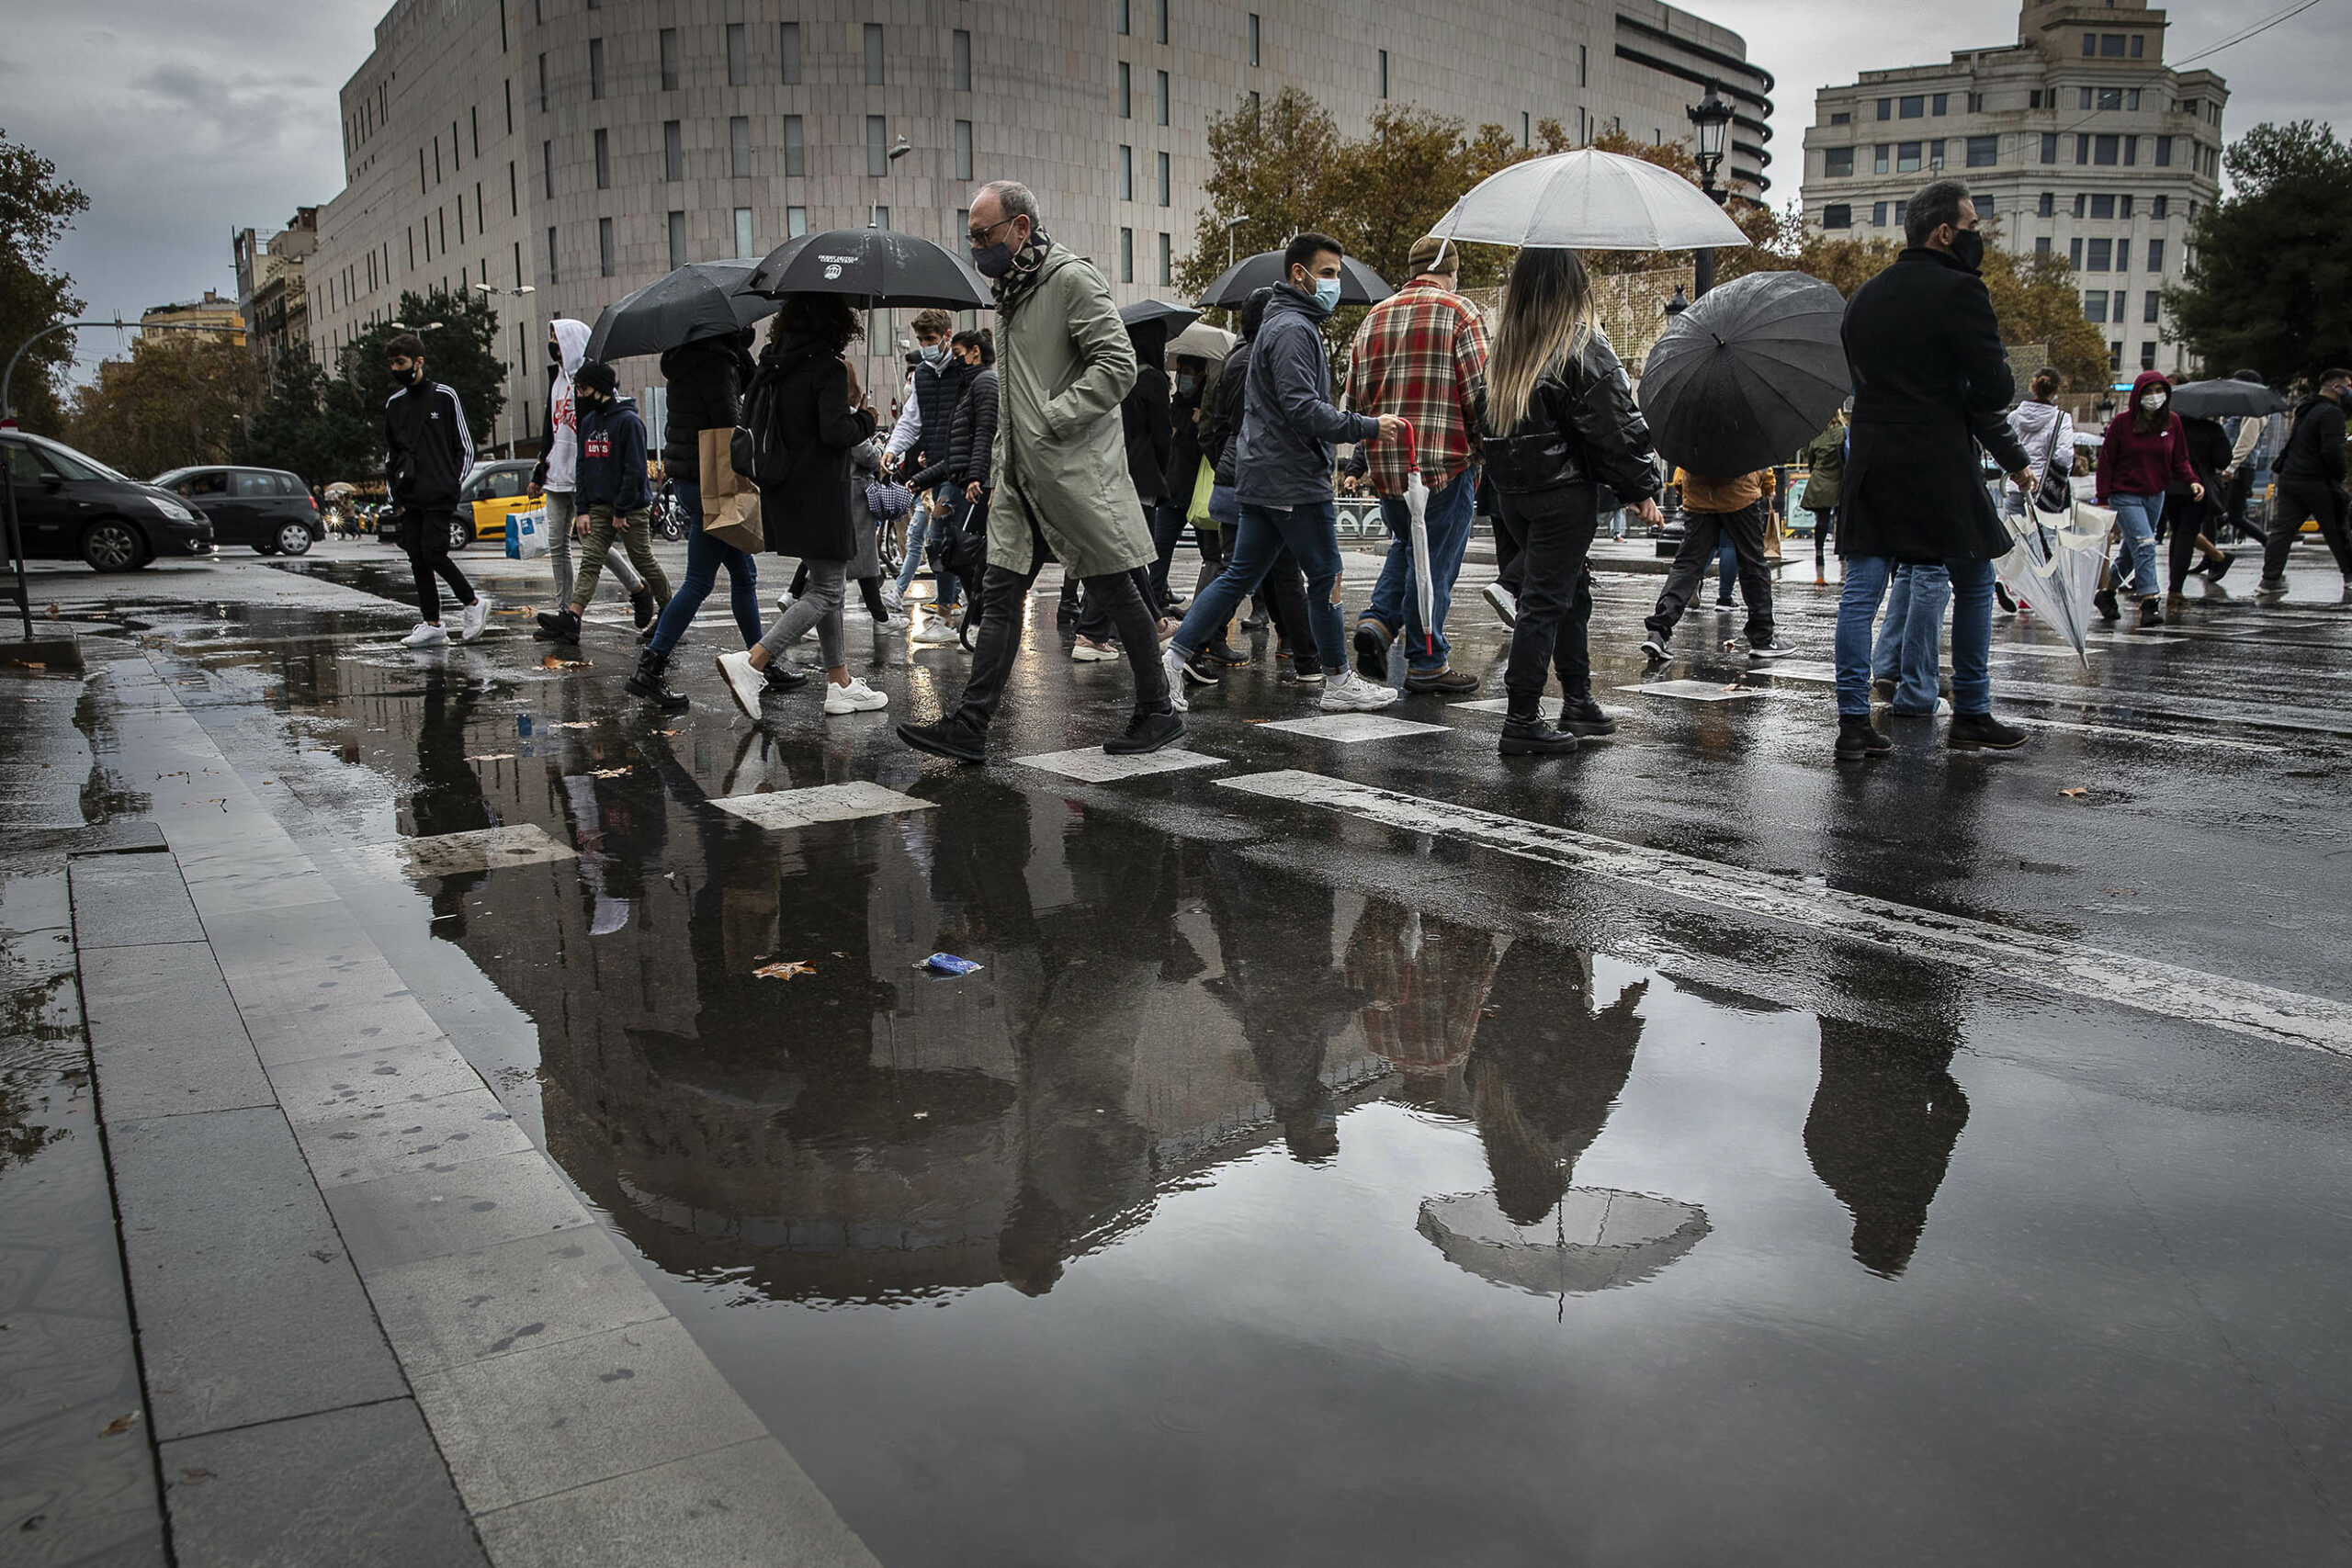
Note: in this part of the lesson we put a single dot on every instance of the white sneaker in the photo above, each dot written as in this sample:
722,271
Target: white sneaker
1086,650
1172,667
426,634
477,615
1504,604
936,634
855,697
892,600
743,682
1350,692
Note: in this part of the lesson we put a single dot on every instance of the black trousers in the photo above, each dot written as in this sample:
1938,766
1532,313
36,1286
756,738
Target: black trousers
1510,549
1702,534
1094,612
425,535
2296,500
1003,595
1555,593
2241,490
1284,593
1825,523
2188,517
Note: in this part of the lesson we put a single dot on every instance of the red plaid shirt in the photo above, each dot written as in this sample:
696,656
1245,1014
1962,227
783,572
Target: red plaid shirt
1421,354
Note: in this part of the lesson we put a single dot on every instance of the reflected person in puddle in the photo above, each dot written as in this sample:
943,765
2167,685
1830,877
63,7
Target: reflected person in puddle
1883,1125
1274,934
1547,1070
449,795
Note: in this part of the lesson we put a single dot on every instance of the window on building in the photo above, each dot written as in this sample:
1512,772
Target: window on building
963,149
2095,305
878,146
1985,205
1126,91
796,147
1936,154
2147,350
1983,151
2082,205
1161,31
2131,150
473,127
1902,212
1937,104
1160,94
1255,32
1841,117
739,146
788,43
1583,74
2075,253
1878,215
1838,215
1912,107
2163,152
1167,260
2102,206
1383,73
678,257
1127,173
739,56
2107,149
1975,103
1878,159
2110,46
959,60
878,217
2042,245
874,54
552,275
2085,101
546,167
2139,46
595,68
2151,303
2034,99
1908,157
1124,19
2158,206
2123,255
1126,255
1886,109
2082,149
744,244
2155,255
674,150
2049,205
604,161
796,221
2115,356
604,247
1159,161
2123,205
1837,163
2048,146
513,196
1254,106
509,85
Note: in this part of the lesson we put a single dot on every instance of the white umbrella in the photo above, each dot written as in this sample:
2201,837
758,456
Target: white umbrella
1202,341
1417,506
2054,567
1589,200
1599,1239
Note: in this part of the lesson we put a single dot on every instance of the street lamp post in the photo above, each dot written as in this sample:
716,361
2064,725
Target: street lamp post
513,372
1711,119
1231,224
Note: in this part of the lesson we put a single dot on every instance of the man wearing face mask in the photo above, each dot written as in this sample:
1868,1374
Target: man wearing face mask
427,450
923,426
556,475
1283,478
1930,383
2311,481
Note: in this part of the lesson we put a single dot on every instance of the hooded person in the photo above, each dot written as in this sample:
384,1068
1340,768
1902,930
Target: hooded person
2144,453
613,488
556,478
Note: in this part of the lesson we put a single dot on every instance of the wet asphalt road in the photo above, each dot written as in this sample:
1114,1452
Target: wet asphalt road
1290,1187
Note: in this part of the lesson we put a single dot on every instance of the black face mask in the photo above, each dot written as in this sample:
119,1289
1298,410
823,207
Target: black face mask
406,378
1968,249
555,352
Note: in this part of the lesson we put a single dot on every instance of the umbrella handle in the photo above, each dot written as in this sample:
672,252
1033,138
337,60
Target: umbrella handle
1409,445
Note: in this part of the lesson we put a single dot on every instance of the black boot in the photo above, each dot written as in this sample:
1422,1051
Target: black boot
640,604
557,626
950,738
1534,738
1971,731
1857,739
651,683
1147,732
2108,608
2151,614
2219,568
1582,715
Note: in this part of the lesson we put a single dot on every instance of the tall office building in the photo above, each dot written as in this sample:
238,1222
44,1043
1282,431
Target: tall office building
2078,138
581,148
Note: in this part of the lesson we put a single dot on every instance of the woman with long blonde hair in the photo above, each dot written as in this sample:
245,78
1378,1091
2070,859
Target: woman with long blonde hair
1560,421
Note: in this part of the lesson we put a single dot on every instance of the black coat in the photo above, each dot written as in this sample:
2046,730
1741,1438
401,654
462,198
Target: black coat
1151,438
971,435
1582,426
706,380
2314,444
1930,383
1221,424
800,401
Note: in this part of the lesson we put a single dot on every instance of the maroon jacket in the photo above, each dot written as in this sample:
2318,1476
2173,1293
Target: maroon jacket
2133,463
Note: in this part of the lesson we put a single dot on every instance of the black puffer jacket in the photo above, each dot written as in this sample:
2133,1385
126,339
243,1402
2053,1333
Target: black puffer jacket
799,414
1582,427
1144,413
971,435
706,380
1222,423
2314,447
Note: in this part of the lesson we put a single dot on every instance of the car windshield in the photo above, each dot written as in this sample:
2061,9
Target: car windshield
166,480
72,464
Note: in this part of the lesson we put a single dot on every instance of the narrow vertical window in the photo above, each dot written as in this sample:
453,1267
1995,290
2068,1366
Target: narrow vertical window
543,83
796,147
604,161
553,275
605,246
546,166
1254,34
677,241
1125,6
514,192
473,126
1159,94
959,61
1126,173
1126,91
739,56
509,85
878,146
1160,162
962,148
1126,255
743,233
1167,259
739,147
671,76
796,221
789,42
1584,66
674,150
1162,30
874,54
595,68
1383,73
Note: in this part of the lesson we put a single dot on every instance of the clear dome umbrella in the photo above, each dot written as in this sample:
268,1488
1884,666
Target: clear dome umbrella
1596,1238
1589,200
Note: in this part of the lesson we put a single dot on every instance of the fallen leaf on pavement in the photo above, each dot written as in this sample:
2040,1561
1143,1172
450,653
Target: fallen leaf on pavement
668,732
608,772
120,1425
787,971
514,610
557,661
2074,793
493,757
572,724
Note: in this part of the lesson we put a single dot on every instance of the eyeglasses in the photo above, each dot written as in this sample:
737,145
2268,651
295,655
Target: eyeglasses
980,236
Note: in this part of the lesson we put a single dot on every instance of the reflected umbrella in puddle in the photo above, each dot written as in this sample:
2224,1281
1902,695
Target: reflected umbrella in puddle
1597,1239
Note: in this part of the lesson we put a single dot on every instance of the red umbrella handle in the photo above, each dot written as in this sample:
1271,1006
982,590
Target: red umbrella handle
1409,463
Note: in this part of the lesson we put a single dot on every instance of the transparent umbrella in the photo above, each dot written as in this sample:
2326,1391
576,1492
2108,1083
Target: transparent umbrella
1598,1239
2054,565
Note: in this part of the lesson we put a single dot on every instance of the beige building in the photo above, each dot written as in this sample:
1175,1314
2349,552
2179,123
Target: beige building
211,313
270,292
2078,140
581,150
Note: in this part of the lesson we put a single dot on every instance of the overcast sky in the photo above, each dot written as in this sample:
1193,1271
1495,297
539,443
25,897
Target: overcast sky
184,119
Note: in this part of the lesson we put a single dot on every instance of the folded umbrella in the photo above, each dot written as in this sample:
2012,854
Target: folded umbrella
1589,200
875,267
1748,375
1359,285
1174,318
2225,399
1416,507
699,300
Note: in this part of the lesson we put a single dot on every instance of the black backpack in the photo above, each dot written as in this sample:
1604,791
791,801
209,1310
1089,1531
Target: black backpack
759,451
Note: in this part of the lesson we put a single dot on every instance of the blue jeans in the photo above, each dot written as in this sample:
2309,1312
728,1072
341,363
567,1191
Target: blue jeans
1972,634
1312,534
1910,640
705,556
2139,516
1395,603
917,530
1726,570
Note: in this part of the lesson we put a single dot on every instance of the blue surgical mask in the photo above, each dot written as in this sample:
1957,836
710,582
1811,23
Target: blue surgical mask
932,353
1326,293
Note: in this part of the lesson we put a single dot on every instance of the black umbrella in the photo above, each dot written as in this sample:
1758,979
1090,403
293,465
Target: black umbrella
2221,399
699,300
1359,285
1174,318
1746,374
875,267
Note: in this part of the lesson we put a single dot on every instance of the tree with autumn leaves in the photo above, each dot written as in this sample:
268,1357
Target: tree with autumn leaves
1288,167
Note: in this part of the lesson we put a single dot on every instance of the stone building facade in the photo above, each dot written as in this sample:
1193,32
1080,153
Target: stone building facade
2078,140
581,150
271,295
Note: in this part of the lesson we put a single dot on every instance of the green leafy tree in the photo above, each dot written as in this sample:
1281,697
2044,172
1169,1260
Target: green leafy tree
180,399
460,352
2269,283
36,207
299,426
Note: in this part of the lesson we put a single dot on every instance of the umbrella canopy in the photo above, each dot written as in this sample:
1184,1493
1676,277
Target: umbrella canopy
2054,568
1748,375
1589,200
342,487
875,266
1202,341
2221,399
1596,1240
1174,318
703,300
1359,285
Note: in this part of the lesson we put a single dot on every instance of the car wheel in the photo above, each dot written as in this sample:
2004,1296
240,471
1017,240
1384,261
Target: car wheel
112,544
293,539
461,534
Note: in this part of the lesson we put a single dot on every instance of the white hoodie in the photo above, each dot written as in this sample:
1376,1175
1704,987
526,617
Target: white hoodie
2031,422
563,418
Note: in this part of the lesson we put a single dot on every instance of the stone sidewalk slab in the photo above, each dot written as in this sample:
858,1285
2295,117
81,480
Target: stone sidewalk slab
492,1301
784,810
399,1219
164,1032
440,1133
131,900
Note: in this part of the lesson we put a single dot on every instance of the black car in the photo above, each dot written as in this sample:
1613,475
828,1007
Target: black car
74,507
268,509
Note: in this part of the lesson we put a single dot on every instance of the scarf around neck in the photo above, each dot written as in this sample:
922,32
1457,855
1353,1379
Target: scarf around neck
1027,262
